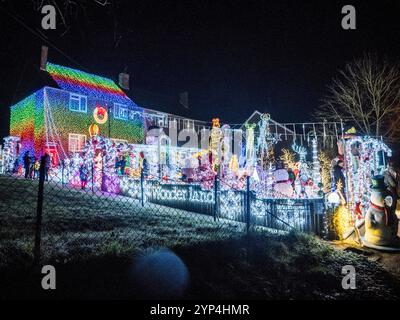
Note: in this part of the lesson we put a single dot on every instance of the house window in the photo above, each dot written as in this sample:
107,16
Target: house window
118,141
188,124
173,123
76,142
133,114
121,111
162,120
77,103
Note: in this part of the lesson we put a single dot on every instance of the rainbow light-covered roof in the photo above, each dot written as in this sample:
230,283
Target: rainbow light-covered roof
87,84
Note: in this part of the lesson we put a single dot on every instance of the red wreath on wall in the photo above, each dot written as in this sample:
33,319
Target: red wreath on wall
100,114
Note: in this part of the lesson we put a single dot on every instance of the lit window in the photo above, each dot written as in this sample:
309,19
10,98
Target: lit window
77,103
121,111
132,114
76,142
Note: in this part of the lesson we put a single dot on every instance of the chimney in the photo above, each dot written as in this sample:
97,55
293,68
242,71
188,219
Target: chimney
184,99
43,58
123,80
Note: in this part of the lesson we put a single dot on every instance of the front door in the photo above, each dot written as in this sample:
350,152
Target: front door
52,152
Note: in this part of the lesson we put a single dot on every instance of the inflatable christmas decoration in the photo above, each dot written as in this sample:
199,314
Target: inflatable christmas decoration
381,222
282,185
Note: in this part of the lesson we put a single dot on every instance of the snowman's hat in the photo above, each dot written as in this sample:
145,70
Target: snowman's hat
378,183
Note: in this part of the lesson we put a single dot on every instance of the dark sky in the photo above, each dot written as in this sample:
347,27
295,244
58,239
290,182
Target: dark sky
232,56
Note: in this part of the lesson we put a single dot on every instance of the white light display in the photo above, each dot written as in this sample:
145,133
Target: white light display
250,154
265,139
362,161
165,193
291,214
215,143
316,164
270,180
10,153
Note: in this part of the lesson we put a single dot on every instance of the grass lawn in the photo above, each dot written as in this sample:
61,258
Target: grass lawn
79,225
95,241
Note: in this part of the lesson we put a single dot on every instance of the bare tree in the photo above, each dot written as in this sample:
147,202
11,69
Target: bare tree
366,93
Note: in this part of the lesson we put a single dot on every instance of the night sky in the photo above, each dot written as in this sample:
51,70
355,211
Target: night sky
231,56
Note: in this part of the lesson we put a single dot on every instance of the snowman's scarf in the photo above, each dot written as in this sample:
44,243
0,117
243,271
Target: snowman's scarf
384,209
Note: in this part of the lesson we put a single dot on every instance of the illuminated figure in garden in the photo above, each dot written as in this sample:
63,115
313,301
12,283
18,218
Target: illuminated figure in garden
283,186
303,171
250,151
164,143
234,164
215,143
226,143
265,140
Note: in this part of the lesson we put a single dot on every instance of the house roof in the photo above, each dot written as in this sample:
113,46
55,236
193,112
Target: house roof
159,102
81,82
105,88
256,117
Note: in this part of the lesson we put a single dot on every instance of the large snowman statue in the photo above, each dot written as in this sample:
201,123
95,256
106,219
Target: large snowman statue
282,185
381,222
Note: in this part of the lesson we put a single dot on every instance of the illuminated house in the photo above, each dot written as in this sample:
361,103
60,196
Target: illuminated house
72,105
59,119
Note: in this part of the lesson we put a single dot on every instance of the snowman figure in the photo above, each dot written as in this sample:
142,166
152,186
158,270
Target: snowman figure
381,222
282,185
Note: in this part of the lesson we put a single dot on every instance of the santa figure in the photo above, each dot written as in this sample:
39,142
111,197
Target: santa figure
381,222
282,185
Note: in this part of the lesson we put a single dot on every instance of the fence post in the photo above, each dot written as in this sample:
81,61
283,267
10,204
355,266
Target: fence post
39,211
92,179
248,205
216,187
313,221
62,173
142,186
